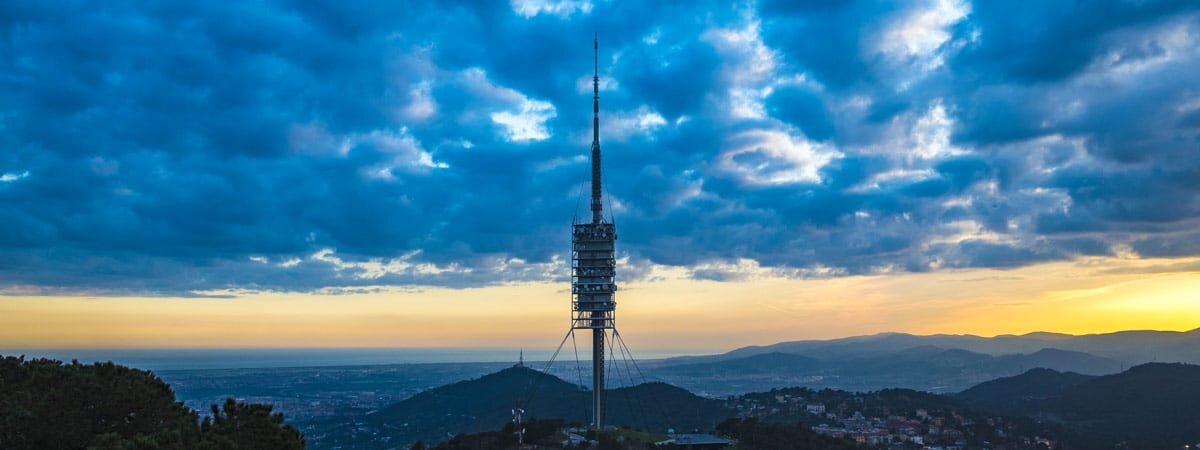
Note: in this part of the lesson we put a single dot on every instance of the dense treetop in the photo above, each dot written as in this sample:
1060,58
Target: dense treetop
49,404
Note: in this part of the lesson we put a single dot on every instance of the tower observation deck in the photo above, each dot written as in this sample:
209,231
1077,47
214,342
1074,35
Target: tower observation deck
593,265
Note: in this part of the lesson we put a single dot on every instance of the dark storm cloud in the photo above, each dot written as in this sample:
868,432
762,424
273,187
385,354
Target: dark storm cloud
1032,41
179,149
804,108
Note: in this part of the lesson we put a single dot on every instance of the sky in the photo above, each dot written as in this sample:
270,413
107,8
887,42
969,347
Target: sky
284,173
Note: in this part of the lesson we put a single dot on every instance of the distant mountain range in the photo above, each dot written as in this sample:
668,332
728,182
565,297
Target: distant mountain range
1153,405
925,368
1128,347
937,363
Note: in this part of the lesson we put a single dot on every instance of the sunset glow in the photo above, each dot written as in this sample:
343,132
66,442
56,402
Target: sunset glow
1092,296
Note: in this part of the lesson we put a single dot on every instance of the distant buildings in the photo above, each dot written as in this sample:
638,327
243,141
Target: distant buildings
872,420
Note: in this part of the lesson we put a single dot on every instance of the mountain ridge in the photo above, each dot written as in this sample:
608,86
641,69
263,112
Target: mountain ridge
1130,347
1151,403
925,367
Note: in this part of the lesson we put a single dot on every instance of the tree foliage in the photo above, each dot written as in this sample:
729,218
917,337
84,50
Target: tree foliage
49,404
241,426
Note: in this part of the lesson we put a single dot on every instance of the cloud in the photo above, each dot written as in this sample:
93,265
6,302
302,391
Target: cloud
376,268
562,8
520,118
621,125
528,123
421,105
918,33
749,67
775,157
12,177
318,147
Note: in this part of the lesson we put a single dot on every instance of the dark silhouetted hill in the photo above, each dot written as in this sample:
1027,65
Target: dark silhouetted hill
1011,394
1153,405
485,404
480,404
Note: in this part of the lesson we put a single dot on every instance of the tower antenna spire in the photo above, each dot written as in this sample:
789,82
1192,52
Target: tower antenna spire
597,207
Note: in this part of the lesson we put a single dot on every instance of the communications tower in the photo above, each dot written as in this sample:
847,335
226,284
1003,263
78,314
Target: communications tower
593,264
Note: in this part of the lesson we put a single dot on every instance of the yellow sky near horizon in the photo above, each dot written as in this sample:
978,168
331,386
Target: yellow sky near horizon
669,311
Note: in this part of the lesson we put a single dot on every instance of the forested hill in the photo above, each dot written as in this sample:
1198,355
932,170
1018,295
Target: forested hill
486,403
1012,394
1154,405
46,404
